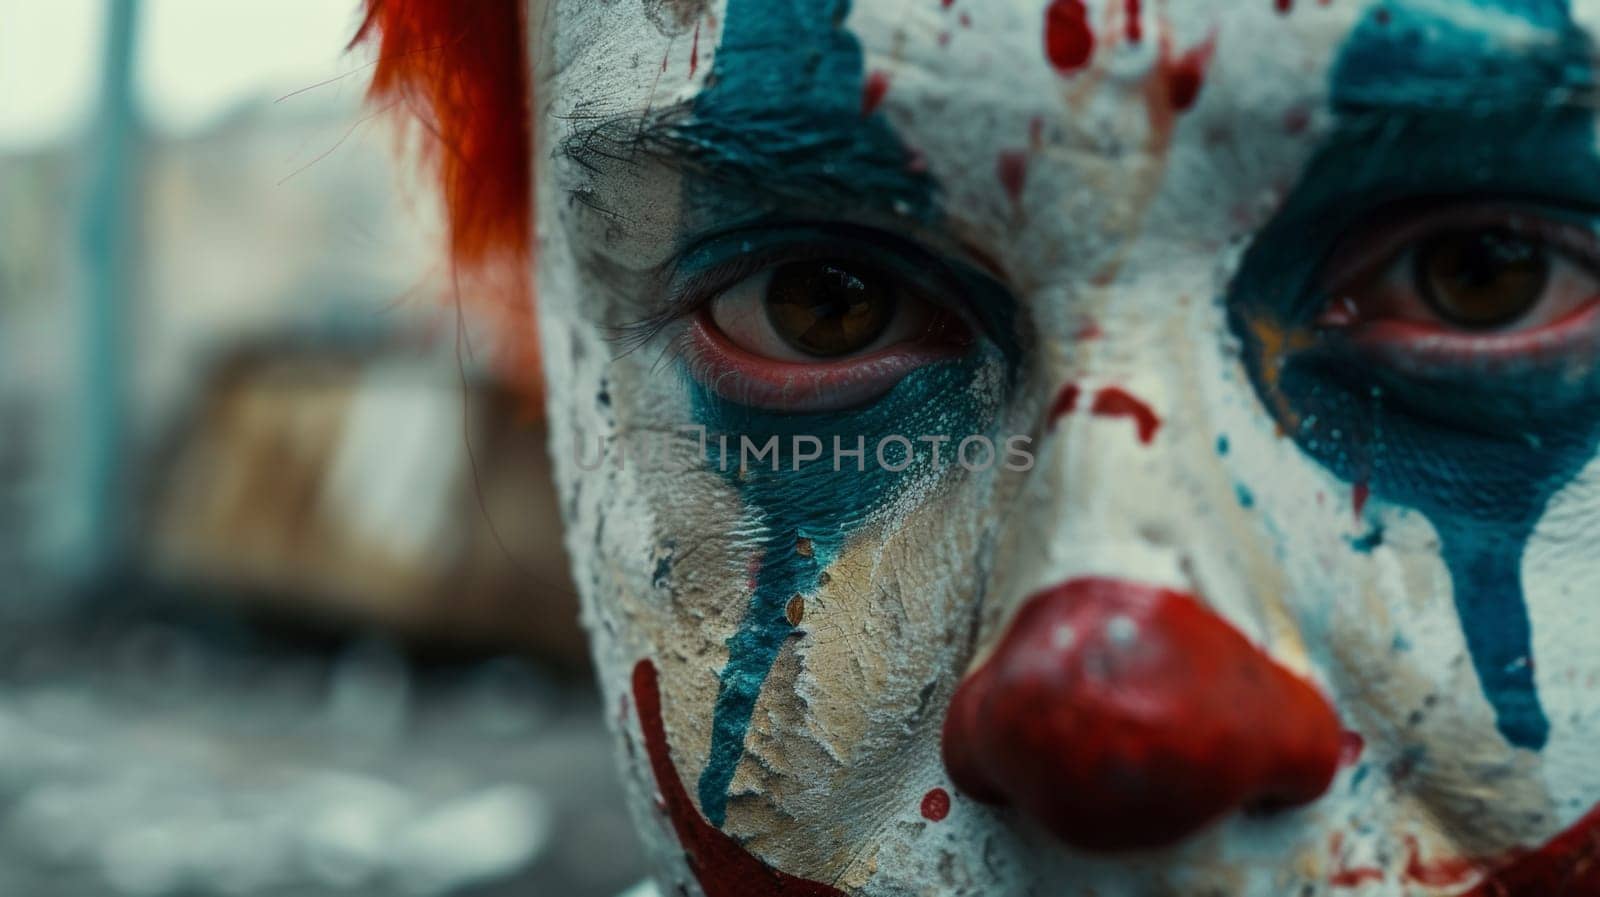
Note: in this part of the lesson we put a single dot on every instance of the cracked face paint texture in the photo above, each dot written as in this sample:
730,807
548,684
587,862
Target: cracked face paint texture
1280,322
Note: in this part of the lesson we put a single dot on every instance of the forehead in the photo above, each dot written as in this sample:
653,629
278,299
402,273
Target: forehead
1045,129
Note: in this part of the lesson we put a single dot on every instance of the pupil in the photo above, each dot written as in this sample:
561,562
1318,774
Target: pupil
829,308
1484,278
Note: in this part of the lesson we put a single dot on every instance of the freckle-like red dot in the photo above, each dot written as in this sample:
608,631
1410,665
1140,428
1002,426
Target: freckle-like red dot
936,805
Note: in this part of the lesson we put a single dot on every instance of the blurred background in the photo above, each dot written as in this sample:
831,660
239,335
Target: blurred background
283,607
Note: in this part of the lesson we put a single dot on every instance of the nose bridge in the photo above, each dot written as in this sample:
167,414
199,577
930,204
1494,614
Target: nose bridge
1123,464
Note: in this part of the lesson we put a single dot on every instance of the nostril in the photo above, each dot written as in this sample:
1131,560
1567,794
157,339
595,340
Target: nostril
1124,716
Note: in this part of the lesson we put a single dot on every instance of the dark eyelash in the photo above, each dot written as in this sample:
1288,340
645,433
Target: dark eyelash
687,295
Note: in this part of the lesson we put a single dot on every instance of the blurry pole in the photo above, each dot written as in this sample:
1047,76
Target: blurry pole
107,231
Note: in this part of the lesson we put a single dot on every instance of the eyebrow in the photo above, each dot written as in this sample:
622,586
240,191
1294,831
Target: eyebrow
778,153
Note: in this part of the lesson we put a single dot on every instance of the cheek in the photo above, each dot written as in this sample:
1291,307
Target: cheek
1559,570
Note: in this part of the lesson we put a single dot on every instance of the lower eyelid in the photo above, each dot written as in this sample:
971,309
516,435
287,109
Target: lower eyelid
801,387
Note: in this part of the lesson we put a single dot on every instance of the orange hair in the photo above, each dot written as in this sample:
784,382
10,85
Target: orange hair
458,70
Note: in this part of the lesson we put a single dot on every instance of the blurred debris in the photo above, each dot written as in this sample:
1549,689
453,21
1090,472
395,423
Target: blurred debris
155,759
367,485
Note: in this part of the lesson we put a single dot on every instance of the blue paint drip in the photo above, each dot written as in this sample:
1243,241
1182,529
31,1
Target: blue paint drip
1368,543
820,504
781,118
1429,109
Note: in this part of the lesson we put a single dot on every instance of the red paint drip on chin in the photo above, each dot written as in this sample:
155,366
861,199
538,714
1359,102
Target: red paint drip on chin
936,805
1068,37
1135,24
719,864
873,92
1114,401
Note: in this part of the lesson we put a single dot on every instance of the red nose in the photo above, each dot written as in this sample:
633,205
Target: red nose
1123,716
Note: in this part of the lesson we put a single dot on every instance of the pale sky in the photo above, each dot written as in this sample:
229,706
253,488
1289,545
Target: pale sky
197,59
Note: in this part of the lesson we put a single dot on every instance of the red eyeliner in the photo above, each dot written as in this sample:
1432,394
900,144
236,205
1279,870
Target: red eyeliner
812,386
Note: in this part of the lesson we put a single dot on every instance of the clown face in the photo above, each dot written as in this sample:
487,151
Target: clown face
1111,448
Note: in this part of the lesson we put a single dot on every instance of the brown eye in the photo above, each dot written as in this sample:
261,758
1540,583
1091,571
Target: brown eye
828,309
1484,278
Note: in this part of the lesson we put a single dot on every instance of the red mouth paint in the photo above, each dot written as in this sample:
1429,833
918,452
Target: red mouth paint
1568,866
719,864
1114,401
1124,716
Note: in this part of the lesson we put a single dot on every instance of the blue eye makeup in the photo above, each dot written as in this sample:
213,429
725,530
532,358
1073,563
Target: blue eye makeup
1442,407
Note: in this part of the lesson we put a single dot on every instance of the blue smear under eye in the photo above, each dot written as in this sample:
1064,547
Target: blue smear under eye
783,109
1430,108
822,505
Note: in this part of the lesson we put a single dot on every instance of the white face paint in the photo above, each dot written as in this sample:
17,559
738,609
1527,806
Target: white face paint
1289,317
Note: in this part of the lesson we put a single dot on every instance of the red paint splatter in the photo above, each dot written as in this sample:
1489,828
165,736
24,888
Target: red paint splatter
1185,77
1284,6
1068,38
1114,401
1090,330
947,3
1012,169
1135,22
1066,402
719,864
1351,746
874,90
694,52
1355,877
1358,497
965,20
1445,873
1126,716
1348,877
936,805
